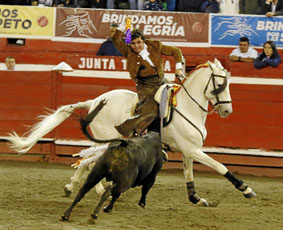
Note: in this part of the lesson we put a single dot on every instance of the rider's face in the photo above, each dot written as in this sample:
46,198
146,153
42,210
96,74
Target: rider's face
244,46
137,45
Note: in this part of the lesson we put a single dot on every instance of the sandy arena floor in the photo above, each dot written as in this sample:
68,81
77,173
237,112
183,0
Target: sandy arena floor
31,198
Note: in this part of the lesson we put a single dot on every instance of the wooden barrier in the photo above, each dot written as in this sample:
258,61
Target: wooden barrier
256,122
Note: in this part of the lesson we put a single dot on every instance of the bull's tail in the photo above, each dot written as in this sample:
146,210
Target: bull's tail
88,119
46,125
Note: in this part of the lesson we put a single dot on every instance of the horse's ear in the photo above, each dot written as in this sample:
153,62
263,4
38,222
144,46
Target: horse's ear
211,65
217,63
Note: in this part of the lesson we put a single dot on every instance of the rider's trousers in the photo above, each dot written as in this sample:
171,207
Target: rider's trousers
146,110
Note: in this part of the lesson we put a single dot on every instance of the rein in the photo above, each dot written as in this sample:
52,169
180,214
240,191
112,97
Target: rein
183,116
216,91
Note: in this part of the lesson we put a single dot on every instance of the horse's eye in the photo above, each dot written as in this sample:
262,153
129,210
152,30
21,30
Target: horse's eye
219,85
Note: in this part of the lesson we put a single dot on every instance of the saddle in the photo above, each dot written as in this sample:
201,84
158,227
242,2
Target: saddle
172,89
169,92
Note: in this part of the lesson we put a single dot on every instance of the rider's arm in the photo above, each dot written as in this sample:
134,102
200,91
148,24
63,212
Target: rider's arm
176,53
118,41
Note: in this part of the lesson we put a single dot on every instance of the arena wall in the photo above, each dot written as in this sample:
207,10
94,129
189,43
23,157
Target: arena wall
249,141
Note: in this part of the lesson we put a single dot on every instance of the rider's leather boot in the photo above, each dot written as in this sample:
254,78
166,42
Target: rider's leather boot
135,125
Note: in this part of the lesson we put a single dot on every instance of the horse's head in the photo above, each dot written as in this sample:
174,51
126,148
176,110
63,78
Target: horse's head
217,89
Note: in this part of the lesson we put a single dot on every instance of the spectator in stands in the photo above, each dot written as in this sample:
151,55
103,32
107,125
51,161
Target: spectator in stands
272,8
210,6
140,4
16,2
269,56
250,6
10,63
59,3
244,53
125,4
108,48
171,5
145,65
189,5
229,6
100,4
153,5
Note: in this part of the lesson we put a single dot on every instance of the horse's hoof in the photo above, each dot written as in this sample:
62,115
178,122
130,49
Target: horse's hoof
249,193
67,192
94,216
107,209
165,156
202,202
91,220
142,204
64,218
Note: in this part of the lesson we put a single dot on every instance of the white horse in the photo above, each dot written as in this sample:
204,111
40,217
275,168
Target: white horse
185,133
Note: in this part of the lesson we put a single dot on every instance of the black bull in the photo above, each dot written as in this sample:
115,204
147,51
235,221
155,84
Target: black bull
127,163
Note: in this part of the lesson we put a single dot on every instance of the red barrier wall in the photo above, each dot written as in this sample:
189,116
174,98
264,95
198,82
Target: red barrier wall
255,123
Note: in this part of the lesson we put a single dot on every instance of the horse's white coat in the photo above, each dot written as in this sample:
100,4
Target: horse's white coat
179,134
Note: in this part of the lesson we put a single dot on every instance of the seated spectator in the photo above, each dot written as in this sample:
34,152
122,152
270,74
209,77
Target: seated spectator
59,3
101,4
10,63
140,4
272,8
229,6
250,6
108,48
244,53
171,5
189,5
269,56
153,5
210,6
15,2
125,4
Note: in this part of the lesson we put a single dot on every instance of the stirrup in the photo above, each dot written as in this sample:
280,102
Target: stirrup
165,156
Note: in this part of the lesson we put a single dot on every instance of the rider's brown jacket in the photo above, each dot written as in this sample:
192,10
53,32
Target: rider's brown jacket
135,61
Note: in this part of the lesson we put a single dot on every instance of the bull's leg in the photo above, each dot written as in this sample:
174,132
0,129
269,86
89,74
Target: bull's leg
77,178
189,176
148,183
99,187
103,198
92,179
115,193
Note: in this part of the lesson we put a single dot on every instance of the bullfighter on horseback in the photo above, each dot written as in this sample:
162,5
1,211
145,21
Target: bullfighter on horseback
145,65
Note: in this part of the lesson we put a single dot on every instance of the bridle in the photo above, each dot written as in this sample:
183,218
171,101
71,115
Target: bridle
216,91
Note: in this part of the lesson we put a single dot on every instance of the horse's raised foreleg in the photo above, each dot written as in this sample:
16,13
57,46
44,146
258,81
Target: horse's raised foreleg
77,178
203,158
188,173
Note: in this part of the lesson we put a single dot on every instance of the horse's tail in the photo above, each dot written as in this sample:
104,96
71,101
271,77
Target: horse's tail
88,119
46,125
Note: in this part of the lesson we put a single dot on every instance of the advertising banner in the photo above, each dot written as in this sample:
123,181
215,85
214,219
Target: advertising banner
164,26
227,30
20,21
111,63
